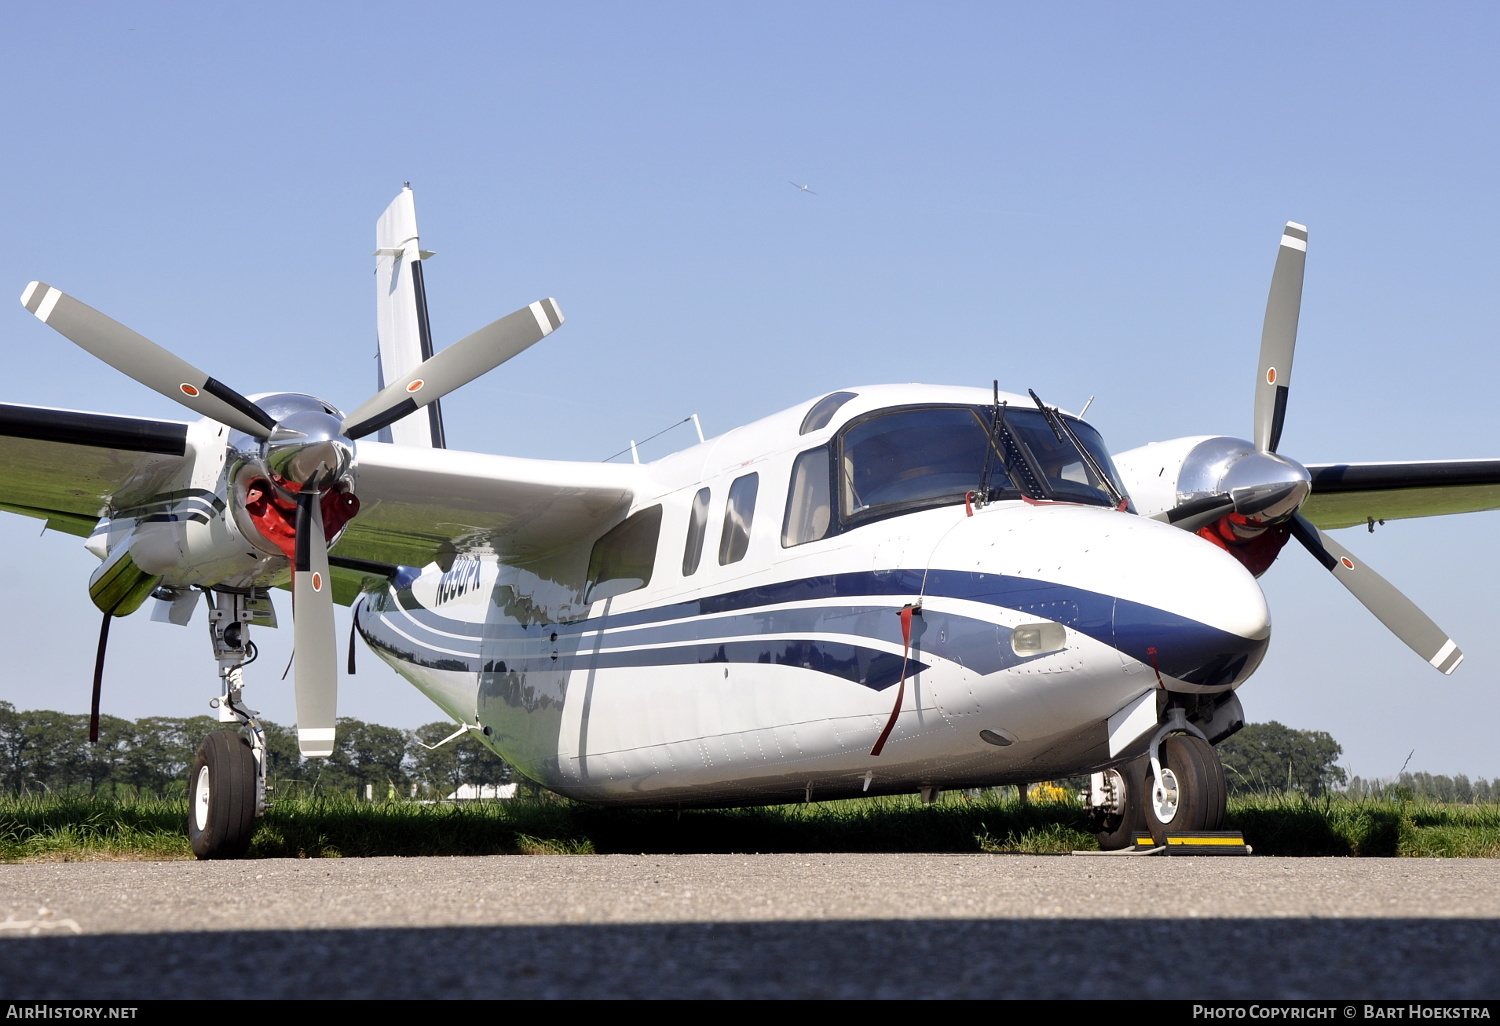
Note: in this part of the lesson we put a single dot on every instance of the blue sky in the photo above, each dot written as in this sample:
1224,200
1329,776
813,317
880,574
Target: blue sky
1084,199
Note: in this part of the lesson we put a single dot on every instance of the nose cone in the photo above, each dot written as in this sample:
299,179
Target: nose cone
308,450
1160,596
1191,612
1265,486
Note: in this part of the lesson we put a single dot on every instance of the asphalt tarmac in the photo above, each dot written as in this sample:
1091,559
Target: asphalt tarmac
757,926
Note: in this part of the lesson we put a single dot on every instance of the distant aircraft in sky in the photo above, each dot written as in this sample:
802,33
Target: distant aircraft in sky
801,188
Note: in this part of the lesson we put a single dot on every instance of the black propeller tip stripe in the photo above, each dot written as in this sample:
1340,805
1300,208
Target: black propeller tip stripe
380,420
303,559
1307,534
1197,506
230,397
1278,417
364,566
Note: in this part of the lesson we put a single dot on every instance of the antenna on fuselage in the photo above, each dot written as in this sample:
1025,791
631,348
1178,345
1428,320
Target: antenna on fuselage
634,451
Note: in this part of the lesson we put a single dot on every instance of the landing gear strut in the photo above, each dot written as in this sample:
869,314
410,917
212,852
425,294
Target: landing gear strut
227,786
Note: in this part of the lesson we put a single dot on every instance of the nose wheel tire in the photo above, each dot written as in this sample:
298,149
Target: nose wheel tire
221,797
1118,830
1192,793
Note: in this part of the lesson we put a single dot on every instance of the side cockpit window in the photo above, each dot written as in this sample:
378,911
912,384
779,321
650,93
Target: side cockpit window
739,511
809,504
697,528
622,560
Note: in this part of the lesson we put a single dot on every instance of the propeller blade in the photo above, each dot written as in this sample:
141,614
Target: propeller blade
1278,337
455,366
1194,513
315,646
1380,597
138,357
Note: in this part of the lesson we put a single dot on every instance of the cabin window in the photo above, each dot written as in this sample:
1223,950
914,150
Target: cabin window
622,560
738,512
809,504
697,528
823,410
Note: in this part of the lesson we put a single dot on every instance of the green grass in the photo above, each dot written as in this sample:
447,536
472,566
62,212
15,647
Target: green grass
77,829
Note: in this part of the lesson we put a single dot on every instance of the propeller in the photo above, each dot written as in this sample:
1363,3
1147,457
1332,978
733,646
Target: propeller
1399,613
1278,337
138,357
1245,496
462,362
308,457
314,643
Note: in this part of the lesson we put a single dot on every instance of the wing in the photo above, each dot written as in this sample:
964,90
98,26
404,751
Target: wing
1346,494
419,506
65,467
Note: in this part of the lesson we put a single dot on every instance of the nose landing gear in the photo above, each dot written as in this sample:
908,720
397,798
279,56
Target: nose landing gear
1189,794
227,785
1177,786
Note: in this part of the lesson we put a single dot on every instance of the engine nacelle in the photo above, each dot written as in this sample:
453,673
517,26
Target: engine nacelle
1246,496
227,521
1164,475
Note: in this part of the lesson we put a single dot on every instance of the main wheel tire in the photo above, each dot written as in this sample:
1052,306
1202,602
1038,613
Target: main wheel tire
1194,792
1118,830
221,797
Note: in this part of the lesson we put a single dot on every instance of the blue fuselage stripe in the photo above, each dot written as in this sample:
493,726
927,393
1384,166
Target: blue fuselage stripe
714,629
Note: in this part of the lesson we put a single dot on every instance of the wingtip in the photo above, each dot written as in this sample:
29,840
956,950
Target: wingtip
31,290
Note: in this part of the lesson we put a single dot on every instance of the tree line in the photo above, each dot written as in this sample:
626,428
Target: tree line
1273,757
42,751
1441,788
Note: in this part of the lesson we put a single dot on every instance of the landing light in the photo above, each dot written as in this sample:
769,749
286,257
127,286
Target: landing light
1038,638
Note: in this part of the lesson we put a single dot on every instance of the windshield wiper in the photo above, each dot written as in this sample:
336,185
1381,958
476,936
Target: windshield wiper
992,451
1059,427
1015,458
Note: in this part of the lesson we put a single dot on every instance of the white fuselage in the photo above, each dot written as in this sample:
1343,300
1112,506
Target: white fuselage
768,677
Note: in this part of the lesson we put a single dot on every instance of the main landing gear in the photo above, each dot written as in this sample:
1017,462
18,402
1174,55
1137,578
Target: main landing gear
1178,785
227,785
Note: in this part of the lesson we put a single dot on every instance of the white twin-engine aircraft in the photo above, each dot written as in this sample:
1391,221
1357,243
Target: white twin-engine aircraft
885,589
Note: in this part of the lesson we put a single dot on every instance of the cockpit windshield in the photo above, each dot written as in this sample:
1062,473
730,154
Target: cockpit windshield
929,455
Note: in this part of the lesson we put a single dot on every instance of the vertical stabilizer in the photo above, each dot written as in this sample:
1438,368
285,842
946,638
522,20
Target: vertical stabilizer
401,316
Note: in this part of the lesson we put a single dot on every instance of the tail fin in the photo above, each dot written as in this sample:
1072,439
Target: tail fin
401,317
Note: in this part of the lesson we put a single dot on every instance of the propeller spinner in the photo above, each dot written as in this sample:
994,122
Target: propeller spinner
307,456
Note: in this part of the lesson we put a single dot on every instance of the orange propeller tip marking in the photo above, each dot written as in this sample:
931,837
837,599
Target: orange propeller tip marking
1271,375
188,390
415,386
